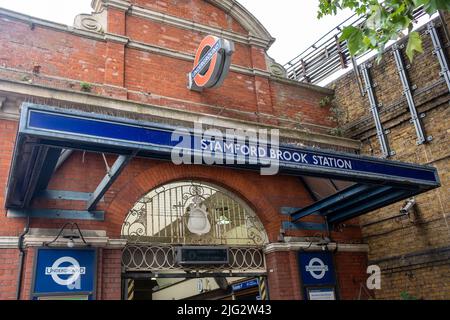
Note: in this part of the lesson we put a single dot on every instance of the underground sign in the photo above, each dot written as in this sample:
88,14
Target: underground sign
212,63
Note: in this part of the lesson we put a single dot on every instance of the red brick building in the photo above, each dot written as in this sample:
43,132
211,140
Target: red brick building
129,60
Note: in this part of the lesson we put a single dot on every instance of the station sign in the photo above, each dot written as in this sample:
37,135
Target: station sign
317,268
317,274
64,273
102,132
321,294
245,285
212,63
202,255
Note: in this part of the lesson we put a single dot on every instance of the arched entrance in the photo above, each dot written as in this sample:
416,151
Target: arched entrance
174,232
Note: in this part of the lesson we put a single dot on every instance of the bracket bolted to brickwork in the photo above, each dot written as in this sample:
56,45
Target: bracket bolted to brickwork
438,50
407,91
108,180
374,109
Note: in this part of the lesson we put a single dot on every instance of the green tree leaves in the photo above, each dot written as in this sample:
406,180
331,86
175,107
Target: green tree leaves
414,45
356,40
385,20
431,6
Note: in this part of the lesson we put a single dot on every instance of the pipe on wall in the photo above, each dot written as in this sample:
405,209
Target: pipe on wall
21,258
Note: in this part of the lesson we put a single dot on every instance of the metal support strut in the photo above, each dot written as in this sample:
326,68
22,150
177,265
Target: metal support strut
439,51
108,180
374,109
407,91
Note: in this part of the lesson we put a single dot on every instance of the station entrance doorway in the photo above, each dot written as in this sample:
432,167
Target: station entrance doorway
191,240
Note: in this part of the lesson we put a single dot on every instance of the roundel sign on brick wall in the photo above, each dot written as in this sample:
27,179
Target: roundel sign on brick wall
212,63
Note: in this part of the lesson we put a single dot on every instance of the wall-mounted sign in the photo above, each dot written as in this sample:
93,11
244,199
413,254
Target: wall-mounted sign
212,63
318,275
202,255
245,285
80,128
321,294
317,269
65,272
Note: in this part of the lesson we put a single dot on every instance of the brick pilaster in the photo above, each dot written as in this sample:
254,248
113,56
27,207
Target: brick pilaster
283,276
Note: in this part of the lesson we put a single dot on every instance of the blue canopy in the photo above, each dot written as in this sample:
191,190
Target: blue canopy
45,131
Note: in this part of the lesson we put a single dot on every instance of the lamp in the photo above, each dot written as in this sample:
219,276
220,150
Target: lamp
75,233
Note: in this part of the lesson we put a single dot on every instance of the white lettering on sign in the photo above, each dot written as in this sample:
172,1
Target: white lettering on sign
74,271
245,147
218,146
332,162
317,268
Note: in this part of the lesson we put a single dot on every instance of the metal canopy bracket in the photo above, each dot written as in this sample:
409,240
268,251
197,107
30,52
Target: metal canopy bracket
438,50
354,201
108,180
325,203
415,119
374,109
368,206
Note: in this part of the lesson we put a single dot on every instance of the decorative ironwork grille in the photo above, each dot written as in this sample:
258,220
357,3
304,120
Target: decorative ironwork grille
155,258
193,213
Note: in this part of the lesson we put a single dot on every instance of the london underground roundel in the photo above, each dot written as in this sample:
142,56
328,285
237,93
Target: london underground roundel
212,63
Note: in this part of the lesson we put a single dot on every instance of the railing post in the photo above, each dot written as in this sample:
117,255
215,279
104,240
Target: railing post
305,75
342,57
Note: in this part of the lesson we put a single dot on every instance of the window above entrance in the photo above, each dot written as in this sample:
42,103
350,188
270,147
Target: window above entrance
195,213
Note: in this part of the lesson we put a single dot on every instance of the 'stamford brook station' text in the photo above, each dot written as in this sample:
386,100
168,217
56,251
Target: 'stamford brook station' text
258,152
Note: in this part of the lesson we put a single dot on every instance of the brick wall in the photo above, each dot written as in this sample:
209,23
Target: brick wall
197,10
109,275
116,70
8,273
59,54
283,276
428,227
431,282
166,36
8,131
27,277
351,275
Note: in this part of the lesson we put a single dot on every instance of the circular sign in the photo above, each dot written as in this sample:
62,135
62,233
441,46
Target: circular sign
211,64
317,268
74,271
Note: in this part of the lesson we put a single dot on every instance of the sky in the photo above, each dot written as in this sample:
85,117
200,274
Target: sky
292,22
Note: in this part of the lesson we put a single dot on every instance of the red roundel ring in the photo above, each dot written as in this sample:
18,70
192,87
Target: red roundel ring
203,80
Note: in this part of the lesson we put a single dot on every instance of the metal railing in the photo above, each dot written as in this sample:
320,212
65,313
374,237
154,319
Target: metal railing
329,55
162,258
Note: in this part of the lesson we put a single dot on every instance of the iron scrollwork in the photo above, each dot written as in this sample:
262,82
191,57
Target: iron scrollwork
193,213
162,257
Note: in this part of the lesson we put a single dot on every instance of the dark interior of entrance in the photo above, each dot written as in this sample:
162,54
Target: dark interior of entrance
218,288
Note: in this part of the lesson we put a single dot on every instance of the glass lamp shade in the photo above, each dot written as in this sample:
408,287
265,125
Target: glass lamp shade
198,221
